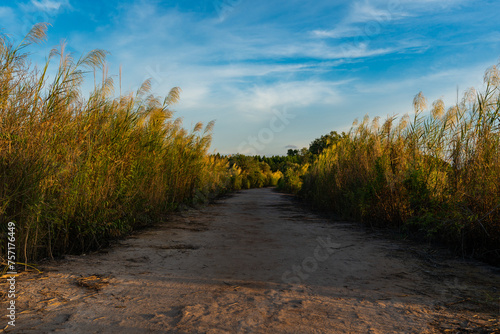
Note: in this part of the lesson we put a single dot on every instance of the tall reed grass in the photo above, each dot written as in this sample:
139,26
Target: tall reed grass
437,175
75,171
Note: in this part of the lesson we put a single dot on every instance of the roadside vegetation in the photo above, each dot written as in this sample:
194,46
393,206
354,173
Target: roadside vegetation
78,171
249,172
435,175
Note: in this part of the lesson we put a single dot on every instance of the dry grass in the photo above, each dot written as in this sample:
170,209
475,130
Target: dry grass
75,171
437,175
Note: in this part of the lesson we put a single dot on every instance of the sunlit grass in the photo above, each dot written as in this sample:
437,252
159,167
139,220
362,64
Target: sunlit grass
437,174
75,171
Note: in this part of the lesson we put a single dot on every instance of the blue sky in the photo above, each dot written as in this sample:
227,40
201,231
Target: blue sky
277,74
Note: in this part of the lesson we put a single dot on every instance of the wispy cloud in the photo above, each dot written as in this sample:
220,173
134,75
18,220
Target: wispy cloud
437,84
361,15
224,8
50,5
365,11
339,32
257,102
361,50
433,4
367,17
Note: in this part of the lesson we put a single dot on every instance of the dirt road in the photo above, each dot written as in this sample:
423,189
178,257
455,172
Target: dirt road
256,262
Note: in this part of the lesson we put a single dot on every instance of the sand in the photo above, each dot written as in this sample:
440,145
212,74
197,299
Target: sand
258,262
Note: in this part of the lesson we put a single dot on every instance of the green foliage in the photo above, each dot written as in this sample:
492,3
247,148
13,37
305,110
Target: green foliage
279,163
251,172
292,177
319,144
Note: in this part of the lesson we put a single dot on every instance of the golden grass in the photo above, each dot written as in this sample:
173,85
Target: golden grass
438,176
74,171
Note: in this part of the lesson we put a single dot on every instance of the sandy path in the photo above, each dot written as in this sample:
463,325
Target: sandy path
256,262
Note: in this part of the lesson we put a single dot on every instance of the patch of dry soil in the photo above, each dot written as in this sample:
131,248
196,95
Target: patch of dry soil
256,262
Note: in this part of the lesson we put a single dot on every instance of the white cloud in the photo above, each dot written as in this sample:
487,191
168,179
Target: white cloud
340,52
359,51
338,32
432,4
258,102
441,84
368,16
49,5
364,12
351,50
228,87
364,18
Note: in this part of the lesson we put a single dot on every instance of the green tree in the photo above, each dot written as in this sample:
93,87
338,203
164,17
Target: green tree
319,144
